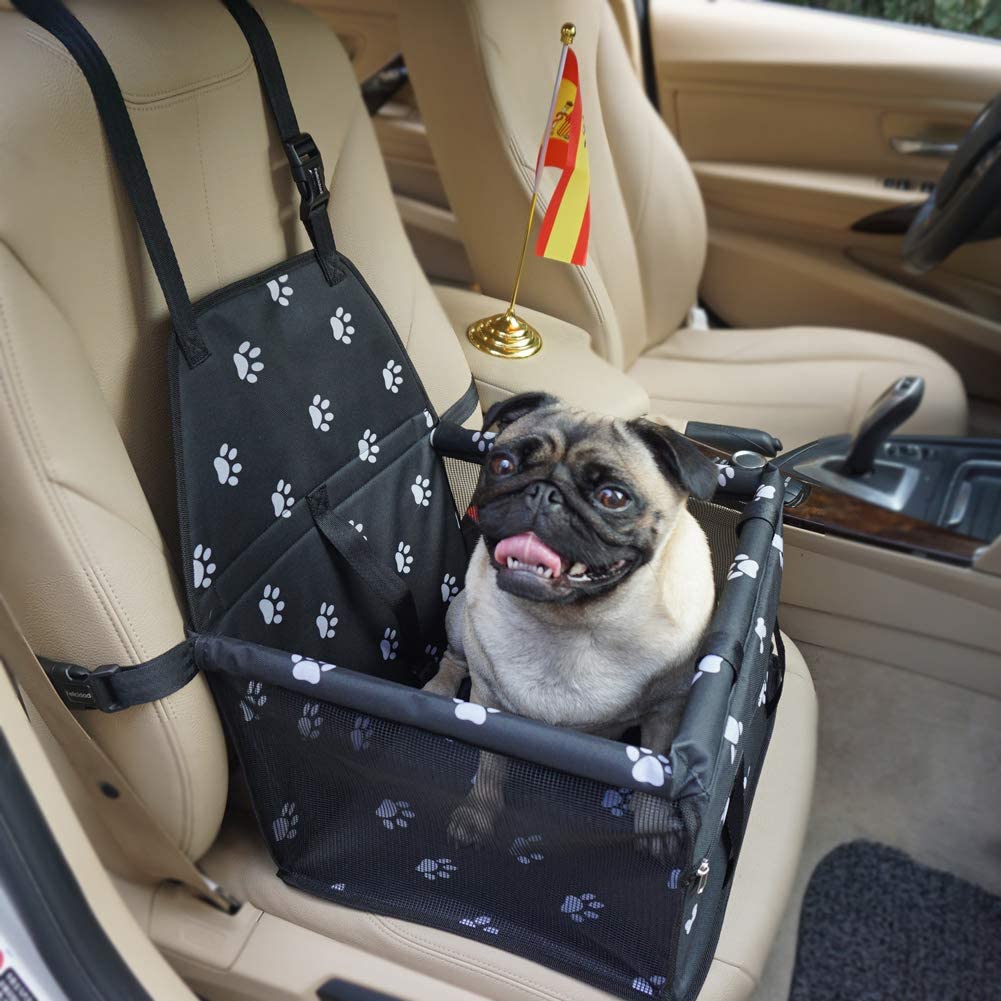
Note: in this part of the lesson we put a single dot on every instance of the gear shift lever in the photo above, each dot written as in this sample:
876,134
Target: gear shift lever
887,413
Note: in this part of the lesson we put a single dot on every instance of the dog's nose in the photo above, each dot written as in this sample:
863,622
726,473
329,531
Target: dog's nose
543,496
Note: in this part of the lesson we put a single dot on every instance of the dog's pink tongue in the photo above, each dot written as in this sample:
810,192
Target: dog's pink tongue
528,548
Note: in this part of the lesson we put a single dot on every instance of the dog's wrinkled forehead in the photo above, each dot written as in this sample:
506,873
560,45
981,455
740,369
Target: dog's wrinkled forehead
652,455
576,438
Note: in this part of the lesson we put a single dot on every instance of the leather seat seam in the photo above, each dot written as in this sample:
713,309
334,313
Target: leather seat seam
477,965
140,102
205,190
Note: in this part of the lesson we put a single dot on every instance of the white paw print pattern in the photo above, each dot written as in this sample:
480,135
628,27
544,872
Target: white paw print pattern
691,920
648,767
431,651
428,419
482,923
361,733
618,802
581,907
527,849
733,732
282,500
404,561
358,527
436,868
649,985
710,664
724,472
227,469
421,490
286,825
367,448
394,813
484,440
339,887
764,492
761,631
310,722
449,588
247,366
279,291
340,324
309,670
391,377
742,566
472,712
319,416
253,700
271,606
202,567
326,621
778,544
389,644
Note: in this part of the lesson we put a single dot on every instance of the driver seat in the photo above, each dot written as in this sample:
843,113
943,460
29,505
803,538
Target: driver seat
88,506
482,72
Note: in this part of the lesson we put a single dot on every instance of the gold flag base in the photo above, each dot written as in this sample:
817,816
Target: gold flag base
505,335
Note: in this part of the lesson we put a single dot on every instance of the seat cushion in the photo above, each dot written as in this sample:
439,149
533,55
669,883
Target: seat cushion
762,884
799,383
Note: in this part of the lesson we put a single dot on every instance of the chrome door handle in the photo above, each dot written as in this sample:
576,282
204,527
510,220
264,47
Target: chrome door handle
908,146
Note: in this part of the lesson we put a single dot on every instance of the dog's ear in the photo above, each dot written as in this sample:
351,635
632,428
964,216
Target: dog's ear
678,457
508,411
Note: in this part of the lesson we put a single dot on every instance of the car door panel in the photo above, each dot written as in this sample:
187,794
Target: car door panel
789,117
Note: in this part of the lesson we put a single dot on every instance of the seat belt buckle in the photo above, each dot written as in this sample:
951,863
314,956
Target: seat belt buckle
83,689
307,172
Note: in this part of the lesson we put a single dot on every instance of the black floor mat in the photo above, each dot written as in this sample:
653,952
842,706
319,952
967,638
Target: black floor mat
877,926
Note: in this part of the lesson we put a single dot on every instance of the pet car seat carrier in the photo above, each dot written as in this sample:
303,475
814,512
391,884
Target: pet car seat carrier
321,550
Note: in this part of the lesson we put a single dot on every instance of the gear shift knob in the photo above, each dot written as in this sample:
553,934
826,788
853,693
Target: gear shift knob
887,413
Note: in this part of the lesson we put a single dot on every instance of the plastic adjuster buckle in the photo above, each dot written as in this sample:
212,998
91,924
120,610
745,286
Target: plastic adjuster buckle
307,172
83,689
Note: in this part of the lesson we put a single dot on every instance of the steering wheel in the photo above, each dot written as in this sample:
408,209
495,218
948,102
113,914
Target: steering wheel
966,203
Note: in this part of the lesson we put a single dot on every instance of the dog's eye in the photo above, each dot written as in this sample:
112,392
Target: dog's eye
501,464
614,498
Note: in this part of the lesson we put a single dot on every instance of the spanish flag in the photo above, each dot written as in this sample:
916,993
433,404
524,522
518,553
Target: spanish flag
567,223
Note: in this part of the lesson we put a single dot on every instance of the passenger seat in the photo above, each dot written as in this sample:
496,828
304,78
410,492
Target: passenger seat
483,72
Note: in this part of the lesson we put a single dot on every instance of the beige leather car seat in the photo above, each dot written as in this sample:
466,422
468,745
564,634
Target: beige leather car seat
483,73
87,509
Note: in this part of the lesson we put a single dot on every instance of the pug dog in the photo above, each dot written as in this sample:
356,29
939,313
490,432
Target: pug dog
591,586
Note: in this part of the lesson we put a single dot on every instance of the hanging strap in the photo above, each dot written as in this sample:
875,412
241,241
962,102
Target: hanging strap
138,834
56,19
387,587
303,157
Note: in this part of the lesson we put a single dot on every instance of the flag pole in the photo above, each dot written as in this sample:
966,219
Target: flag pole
507,335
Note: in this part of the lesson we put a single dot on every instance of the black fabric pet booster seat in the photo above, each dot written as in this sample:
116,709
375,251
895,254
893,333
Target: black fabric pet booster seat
322,548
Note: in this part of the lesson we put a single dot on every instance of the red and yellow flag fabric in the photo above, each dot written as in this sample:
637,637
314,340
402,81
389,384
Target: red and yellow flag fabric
566,225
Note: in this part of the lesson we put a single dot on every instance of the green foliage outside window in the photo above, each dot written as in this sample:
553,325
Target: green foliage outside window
971,17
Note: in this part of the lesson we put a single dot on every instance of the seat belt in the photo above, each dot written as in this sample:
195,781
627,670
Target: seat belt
146,845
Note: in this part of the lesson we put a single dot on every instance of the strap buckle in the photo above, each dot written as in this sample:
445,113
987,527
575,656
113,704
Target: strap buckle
307,172
83,689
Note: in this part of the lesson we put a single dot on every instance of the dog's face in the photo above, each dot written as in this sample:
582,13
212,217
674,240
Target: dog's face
570,504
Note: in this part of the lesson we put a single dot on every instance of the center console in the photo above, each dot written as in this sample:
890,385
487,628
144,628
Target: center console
928,496
953,483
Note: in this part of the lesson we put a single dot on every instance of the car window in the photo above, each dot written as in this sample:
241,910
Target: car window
970,17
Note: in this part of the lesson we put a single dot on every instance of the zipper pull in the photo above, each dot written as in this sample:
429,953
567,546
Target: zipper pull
703,873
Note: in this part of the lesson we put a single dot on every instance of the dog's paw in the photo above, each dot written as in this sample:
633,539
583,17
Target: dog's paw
660,830
471,824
